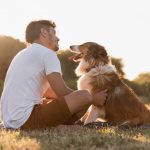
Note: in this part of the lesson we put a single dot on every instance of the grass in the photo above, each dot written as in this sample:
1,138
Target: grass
76,138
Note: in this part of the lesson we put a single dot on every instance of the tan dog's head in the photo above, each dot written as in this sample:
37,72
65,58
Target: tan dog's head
89,55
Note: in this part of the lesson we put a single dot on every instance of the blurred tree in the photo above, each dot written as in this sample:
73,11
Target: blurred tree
117,62
68,68
9,47
143,78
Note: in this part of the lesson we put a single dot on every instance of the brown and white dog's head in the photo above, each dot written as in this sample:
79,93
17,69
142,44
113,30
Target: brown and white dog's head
90,55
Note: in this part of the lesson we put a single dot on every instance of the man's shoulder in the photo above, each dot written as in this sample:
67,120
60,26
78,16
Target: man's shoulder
41,49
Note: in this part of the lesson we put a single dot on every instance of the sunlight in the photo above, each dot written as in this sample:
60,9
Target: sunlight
122,27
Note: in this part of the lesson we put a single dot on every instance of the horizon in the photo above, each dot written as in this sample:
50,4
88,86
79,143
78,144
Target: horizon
122,27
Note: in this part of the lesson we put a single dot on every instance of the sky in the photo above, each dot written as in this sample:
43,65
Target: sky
121,26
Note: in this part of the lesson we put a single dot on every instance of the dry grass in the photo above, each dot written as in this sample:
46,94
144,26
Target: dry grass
76,138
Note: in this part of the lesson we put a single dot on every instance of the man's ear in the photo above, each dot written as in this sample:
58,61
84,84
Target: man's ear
43,32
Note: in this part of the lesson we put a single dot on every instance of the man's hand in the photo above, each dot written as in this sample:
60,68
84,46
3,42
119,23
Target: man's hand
99,98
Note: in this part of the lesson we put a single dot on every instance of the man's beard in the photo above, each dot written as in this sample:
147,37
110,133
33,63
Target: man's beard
56,48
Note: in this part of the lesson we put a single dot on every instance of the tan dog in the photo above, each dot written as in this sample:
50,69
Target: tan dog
96,73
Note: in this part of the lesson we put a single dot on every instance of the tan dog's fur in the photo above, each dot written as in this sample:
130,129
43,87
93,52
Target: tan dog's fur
96,73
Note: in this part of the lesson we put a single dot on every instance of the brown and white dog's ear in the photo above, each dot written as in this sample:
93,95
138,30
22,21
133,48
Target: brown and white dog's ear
98,50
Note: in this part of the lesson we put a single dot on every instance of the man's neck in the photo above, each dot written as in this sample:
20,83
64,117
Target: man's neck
41,43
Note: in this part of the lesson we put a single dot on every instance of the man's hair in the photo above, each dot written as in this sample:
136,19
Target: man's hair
34,28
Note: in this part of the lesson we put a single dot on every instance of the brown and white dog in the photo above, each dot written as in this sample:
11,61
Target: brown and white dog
97,73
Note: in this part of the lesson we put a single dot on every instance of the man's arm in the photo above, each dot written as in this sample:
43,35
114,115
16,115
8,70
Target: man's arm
58,85
50,94
60,88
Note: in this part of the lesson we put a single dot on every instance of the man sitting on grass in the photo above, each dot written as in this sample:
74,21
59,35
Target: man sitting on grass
34,73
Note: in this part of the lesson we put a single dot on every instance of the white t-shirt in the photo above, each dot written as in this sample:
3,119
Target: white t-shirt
26,82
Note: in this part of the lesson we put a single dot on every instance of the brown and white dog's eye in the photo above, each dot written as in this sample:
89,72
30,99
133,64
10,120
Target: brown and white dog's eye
83,49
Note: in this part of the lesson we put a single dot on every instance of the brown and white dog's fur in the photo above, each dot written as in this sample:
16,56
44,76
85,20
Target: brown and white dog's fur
97,73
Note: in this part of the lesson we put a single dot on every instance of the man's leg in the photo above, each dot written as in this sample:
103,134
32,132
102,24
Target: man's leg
78,101
64,110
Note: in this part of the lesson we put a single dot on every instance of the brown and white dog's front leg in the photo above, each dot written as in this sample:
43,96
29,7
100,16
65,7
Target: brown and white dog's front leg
93,114
85,116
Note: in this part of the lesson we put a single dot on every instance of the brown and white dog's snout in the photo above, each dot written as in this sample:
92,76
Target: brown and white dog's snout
78,55
75,48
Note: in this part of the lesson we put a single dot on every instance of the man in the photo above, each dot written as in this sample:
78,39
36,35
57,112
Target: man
36,72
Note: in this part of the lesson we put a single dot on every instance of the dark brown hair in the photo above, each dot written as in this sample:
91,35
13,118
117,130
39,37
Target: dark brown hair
34,28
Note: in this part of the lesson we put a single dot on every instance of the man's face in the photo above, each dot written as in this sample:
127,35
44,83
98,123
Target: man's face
52,39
